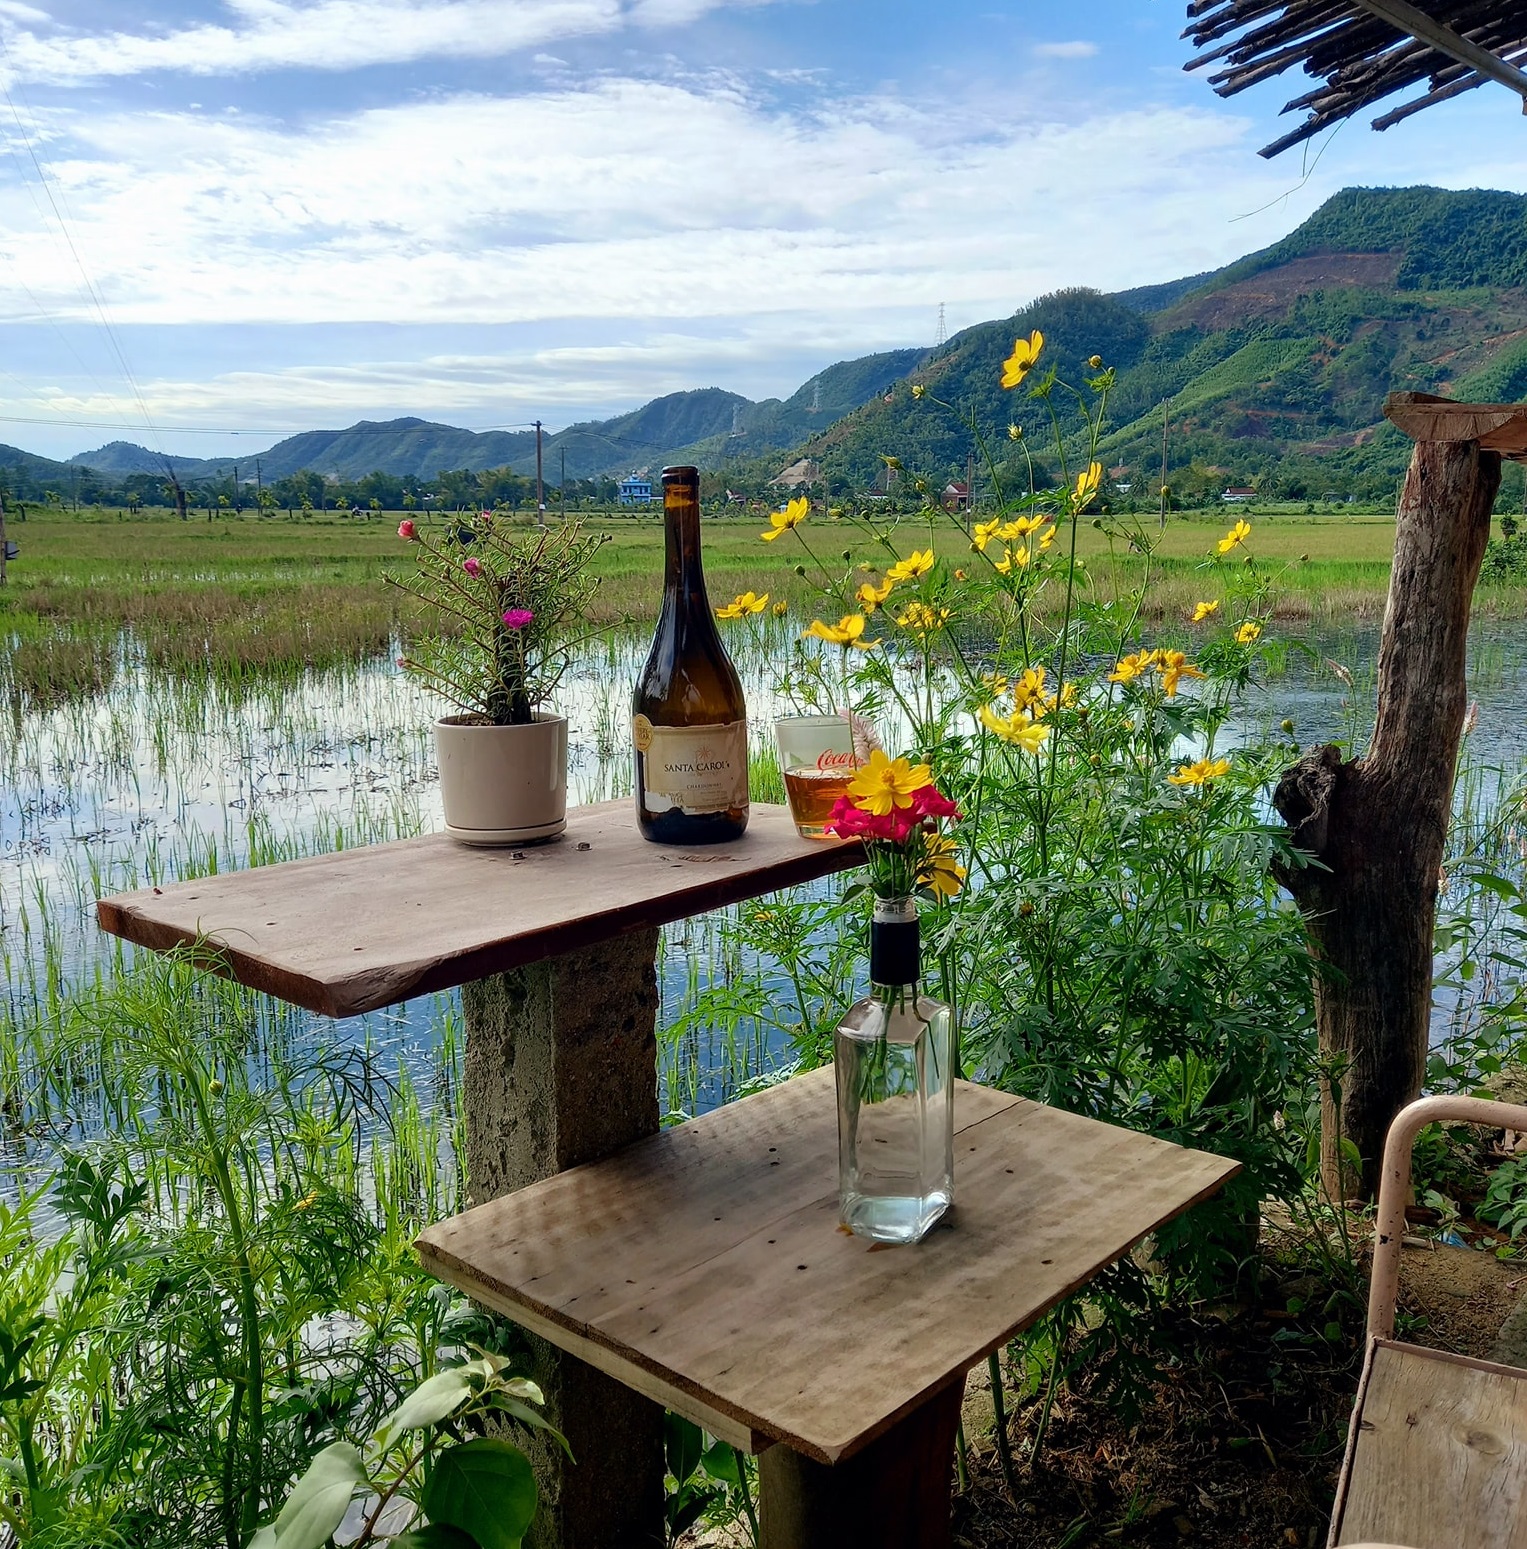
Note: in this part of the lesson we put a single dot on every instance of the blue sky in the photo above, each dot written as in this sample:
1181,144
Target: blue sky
225,220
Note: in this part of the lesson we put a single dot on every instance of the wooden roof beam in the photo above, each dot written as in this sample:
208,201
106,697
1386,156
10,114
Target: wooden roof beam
1405,16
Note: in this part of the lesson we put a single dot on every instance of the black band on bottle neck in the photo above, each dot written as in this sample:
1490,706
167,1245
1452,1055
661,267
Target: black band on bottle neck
895,952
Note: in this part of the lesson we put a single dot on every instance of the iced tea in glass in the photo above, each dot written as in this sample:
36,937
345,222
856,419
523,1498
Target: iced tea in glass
817,759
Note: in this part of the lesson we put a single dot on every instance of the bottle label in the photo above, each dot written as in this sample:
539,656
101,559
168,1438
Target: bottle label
697,769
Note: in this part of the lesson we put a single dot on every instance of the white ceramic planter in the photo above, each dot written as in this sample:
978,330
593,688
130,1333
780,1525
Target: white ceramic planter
503,784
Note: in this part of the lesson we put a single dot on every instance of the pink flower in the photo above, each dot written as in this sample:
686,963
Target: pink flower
850,822
930,802
406,530
473,567
517,618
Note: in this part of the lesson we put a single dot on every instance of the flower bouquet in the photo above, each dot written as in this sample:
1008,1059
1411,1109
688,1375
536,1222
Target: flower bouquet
894,1050
894,806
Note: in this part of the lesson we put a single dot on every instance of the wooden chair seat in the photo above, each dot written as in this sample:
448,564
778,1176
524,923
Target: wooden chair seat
1439,1454
1437,1448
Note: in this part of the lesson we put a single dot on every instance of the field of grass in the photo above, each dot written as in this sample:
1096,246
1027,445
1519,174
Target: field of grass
248,593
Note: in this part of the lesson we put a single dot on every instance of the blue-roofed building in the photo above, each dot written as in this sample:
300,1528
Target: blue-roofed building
635,490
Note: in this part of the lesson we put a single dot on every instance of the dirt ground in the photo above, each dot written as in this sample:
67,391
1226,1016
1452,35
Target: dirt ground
1240,1435
1240,1445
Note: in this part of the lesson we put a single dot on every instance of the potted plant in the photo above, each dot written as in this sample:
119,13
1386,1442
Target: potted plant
508,607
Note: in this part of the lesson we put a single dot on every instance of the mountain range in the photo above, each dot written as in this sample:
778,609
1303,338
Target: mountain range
1273,368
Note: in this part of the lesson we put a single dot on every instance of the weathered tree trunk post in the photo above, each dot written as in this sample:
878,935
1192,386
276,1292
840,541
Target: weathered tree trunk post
560,1069
1376,825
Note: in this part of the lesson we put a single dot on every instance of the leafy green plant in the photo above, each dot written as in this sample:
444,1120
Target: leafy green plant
508,608
714,1482
1505,1202
474,1492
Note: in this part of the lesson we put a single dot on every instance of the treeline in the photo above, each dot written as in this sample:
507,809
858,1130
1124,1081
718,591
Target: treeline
304,492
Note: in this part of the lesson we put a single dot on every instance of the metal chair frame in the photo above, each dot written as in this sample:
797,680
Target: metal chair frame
1389,1238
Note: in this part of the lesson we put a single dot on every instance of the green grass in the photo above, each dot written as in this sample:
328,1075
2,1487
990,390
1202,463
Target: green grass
244,594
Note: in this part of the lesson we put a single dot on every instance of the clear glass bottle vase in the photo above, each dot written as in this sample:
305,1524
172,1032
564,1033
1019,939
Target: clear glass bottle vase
894,1053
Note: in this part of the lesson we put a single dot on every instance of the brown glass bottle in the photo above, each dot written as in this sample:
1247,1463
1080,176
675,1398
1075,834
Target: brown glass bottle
688,721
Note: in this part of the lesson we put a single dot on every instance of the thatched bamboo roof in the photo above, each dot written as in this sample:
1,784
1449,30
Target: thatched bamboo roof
1360,51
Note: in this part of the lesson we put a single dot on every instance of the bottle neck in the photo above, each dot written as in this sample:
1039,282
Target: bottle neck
895,945
683,574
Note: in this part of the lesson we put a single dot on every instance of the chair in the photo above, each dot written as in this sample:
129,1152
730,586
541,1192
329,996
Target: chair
1437,1451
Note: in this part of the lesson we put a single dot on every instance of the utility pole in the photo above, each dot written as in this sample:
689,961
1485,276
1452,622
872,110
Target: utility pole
2,540
562,485
259,482
236,506
540,483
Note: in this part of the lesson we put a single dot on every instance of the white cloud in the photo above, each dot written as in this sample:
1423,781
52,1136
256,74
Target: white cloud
1078,49
334,35
23,13
626,199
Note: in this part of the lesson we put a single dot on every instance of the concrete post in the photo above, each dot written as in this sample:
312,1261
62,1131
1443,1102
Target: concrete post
561,1068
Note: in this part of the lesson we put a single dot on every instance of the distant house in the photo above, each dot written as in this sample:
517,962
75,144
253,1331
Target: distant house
635,490
1238,493
804,471
956,496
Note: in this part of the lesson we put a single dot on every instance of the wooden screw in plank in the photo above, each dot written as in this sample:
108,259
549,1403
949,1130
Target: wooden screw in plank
561,1068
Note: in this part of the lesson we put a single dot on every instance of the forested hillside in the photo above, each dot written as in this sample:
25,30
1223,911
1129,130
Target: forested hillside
1272,371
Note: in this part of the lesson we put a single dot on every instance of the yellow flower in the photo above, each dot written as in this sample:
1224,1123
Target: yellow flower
959,575
939,872
1247,633
1095,361
985,532
1017,728
1132,666
742,604
1200,773
918,563
780,609
782,521
1011,558
921,618
1025,352
1086,485
307,1201
1029,687
849,630
1015,432
1046,538
1203,610
918,390
994,683
1048,702
869,596
884,783
1237,534
1174,666
1020,527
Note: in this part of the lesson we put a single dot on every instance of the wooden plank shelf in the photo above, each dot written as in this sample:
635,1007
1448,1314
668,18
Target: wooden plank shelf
1497,427
349,932
705,1268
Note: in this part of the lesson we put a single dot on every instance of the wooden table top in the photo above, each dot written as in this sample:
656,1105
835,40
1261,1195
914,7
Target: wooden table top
348,932
705,1266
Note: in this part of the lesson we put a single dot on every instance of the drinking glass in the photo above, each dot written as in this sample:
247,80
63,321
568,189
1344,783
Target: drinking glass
817,759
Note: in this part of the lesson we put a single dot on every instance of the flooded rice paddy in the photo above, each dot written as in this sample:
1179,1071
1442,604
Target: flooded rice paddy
145,778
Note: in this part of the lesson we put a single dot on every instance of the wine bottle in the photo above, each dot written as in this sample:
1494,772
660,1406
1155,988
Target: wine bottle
688,722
